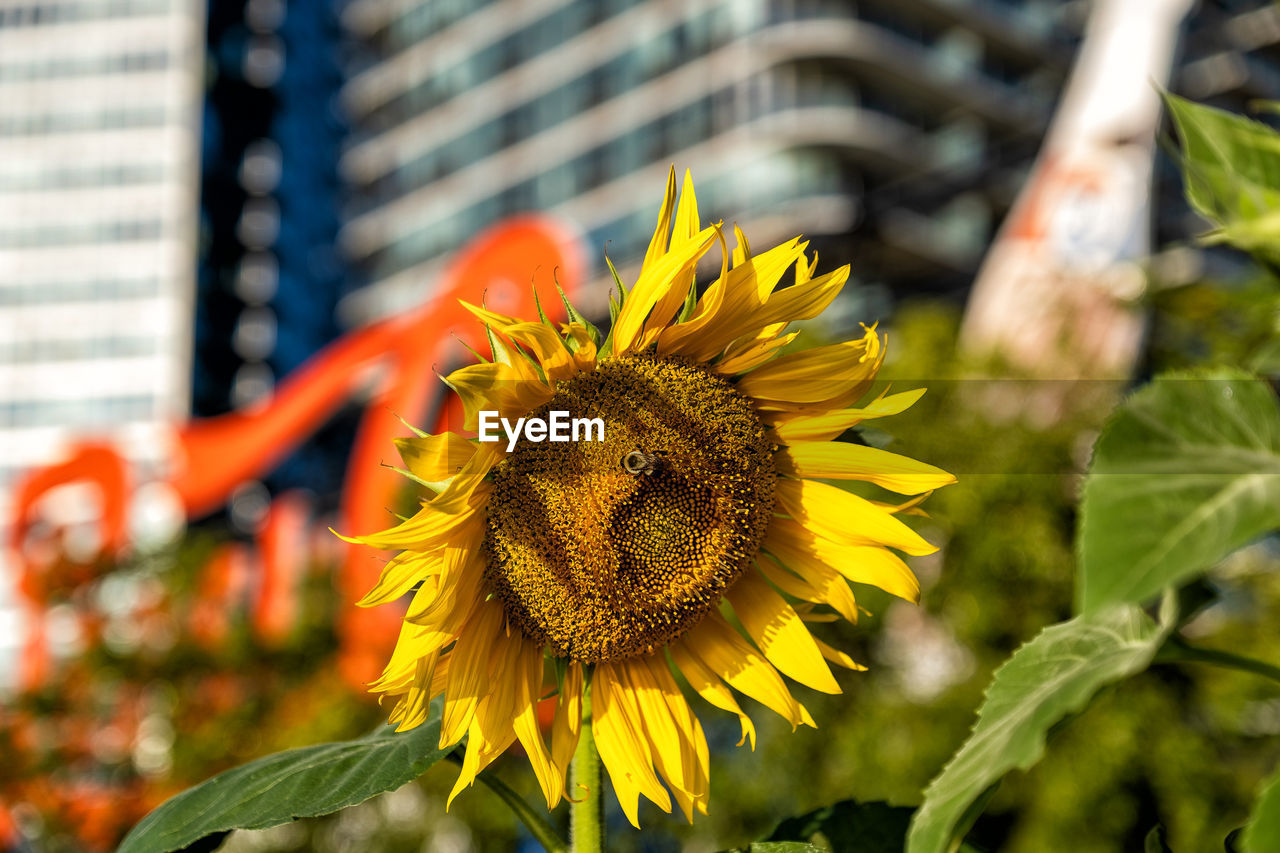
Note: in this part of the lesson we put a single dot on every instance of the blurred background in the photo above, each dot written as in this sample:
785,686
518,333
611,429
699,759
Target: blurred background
197,199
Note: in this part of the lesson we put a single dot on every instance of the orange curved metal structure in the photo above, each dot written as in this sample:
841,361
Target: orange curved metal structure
504,267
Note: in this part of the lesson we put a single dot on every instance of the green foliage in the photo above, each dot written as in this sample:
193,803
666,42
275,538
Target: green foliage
1231,170
850,826
1053,676
1155,841
1186,471
1263,832
1215,323
306,782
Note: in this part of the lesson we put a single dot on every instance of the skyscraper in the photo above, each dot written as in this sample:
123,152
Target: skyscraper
99,108
269,275
888,130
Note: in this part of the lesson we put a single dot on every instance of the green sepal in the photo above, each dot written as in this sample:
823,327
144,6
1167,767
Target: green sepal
561,667
617,279
576,317
437,486
406,473
501,353
515,346
614,309
468,348
690,305
420,433
542,315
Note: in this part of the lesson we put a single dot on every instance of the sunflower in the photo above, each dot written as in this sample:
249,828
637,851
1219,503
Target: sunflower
696,535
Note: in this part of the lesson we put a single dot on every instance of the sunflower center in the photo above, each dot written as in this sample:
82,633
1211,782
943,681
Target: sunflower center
609,549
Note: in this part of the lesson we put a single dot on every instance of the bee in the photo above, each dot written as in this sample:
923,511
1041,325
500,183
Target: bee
639,462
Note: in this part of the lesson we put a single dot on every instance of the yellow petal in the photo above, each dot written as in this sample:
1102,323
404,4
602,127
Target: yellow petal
755,351
658,243
794,426
585,353
470,769
833,460
658,729
457,495
567,726
804,553
435,458
798,302
493,726
547,346
670,275
457,590
723,650
853,394
811,376
412,712
908,507
805,269
624,751
539,338
469,671
528,676
671,729
425,530
846,518
746,289
687,223
440,563
741,249
490,730
779,633
709,686
401,574
685,229
838,657
399,671
817,582
671,339
510,390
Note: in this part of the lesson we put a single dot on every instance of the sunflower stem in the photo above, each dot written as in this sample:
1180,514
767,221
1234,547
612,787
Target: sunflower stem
586,814
1179,650
542,831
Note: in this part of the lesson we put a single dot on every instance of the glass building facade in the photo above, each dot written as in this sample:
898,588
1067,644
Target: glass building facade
99,109
270,277
871,127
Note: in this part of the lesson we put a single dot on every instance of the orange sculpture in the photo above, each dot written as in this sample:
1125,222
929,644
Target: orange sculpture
212,457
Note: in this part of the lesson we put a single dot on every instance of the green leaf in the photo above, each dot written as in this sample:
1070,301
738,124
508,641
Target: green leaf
278,788
1266,358
1262,834
1186,471
1231,170
1049,678
1155,841
850,825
